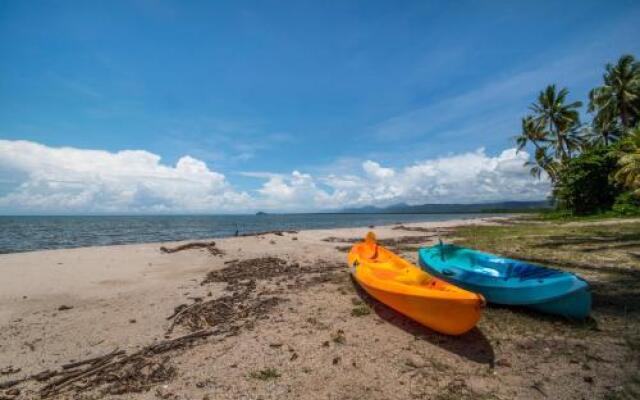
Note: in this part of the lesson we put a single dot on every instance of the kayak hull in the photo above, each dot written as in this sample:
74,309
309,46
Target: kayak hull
434,314
506,281
575,305
410,291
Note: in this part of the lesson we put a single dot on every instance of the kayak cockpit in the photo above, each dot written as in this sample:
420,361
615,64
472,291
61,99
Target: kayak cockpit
488,265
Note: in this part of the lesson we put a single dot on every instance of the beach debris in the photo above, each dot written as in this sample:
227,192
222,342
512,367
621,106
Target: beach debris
228,313
277,233
538,385
245,305
11,383
411,229
163,392
432,232
265,374
93,360
64,307
335,239
210,246
9,370
392,242
253,268
10,394
120,373
339,337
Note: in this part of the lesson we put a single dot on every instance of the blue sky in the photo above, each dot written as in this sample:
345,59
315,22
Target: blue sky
258,90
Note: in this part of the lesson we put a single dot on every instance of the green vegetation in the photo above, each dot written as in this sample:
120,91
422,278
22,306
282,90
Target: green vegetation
583,186
593,167
607,254
604,244
360,311
338,337
265,374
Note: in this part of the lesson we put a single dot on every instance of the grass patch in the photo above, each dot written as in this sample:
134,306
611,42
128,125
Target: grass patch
360,311
338,337
566,216
265,374
603,246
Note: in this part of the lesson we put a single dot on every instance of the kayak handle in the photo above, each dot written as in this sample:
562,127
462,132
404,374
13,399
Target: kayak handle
448,272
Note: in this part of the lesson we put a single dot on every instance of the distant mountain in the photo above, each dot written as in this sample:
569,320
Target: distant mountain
504,206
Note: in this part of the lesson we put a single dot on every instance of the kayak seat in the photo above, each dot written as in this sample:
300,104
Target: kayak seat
528,271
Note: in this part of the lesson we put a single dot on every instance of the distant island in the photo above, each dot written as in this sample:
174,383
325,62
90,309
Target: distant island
261,213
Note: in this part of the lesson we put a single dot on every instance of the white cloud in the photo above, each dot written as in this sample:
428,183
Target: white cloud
38,178
69,179
462,178
374,170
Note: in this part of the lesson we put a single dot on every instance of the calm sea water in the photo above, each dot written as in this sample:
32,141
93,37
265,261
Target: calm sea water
55,232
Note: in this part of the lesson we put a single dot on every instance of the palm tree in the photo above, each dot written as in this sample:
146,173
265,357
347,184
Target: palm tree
628,174
561,119
604,130
532,132
619,96
543,162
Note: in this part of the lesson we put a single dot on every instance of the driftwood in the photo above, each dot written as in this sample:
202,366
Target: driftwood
277,233
40,376
100,367
176,316
118,372
97,365
11,383
211,246
92,360
106,364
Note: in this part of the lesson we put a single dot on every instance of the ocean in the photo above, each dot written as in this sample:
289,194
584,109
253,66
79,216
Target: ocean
28,233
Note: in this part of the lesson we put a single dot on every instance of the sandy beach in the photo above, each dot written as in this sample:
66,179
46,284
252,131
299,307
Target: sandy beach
289,323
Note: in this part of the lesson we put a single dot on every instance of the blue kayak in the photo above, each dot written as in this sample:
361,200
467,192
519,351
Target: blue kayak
506,281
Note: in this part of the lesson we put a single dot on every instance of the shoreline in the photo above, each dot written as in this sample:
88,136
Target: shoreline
471,216
74,266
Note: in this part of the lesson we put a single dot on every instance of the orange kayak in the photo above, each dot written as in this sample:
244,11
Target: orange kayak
411,291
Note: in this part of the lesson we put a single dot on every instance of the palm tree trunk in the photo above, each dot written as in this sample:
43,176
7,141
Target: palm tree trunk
623,115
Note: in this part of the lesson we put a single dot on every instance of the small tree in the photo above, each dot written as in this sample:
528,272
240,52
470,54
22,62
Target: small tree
628,173
584,186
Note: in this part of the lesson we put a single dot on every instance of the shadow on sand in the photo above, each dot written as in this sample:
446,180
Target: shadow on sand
472,345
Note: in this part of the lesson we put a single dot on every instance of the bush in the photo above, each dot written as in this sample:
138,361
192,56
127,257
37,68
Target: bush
627,204
584,185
